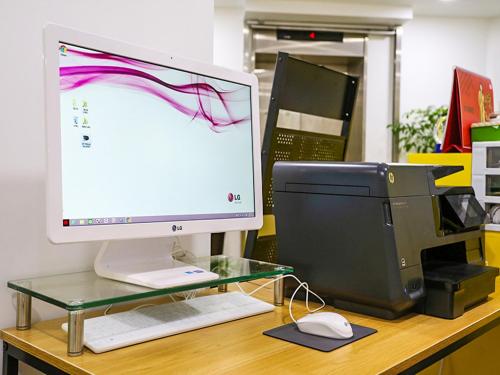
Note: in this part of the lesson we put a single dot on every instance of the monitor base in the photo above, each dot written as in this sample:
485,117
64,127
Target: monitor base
149,262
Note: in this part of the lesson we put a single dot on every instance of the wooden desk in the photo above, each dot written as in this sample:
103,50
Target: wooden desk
239,347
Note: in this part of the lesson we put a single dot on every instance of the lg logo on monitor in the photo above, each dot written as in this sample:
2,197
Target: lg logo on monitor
175,228
233,198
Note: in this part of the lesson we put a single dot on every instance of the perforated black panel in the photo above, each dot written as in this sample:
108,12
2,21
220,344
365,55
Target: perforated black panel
266,249
297,145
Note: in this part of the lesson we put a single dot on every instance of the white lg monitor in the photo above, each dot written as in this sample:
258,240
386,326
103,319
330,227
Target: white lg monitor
143,144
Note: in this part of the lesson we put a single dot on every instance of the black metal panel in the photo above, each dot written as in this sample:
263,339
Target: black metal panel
10,365
302,87
265,249
216,243
316,90
12,355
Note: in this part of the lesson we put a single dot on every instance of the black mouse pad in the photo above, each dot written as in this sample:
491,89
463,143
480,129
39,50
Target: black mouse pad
290,333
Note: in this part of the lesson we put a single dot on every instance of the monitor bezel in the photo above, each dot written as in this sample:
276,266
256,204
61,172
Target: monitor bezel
56,232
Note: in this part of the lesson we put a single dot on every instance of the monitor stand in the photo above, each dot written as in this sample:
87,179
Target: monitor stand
149,262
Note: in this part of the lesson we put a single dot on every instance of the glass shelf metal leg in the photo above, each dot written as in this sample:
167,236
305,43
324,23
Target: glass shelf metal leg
23,313
222,288
279,291
75,332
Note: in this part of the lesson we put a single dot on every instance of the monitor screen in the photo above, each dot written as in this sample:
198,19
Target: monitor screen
143,143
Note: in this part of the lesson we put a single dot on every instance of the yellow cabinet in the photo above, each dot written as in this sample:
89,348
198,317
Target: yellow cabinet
463,178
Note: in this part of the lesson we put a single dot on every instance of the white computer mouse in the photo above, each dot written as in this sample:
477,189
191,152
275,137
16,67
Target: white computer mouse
326,324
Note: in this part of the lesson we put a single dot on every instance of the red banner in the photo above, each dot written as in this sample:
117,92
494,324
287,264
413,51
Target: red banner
471,101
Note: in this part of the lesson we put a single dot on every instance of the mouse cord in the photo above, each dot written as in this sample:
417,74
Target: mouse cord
302,284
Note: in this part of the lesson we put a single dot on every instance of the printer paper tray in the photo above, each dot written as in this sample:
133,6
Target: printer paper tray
453,287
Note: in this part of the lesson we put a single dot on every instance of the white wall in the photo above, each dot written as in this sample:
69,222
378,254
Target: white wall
378,98
493,58
182,27
228,37
431,46
341,11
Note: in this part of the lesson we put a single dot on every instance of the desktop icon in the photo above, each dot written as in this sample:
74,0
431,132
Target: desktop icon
63,49
129,219
82,222
86,141
91,221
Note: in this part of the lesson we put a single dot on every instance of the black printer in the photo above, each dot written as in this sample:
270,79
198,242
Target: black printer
382,239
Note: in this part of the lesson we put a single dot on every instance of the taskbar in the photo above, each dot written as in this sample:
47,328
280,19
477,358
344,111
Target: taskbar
152,219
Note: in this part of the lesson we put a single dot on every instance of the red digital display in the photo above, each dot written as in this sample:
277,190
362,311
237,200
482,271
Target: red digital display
310,35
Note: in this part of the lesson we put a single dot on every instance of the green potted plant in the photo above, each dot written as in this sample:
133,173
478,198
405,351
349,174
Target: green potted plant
416,131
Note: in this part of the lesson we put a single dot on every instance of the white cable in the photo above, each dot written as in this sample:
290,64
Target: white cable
142,306
495,214
176,251
187,295
301,285
179,254
107,309
138,307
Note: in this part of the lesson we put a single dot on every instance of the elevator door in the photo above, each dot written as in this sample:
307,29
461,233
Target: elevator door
347,57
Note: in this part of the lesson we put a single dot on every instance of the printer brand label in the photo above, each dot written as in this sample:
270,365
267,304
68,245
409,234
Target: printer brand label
391,177
402,204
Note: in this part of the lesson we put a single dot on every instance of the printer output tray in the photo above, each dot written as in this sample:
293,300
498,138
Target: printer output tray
453,287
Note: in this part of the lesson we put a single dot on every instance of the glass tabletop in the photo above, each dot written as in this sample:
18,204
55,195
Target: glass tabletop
83,290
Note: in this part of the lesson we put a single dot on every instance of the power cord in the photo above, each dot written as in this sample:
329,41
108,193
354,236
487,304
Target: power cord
142,306
178,252
138,307
302,284
107,310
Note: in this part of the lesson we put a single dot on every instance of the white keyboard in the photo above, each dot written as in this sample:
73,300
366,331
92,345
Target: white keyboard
115,331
